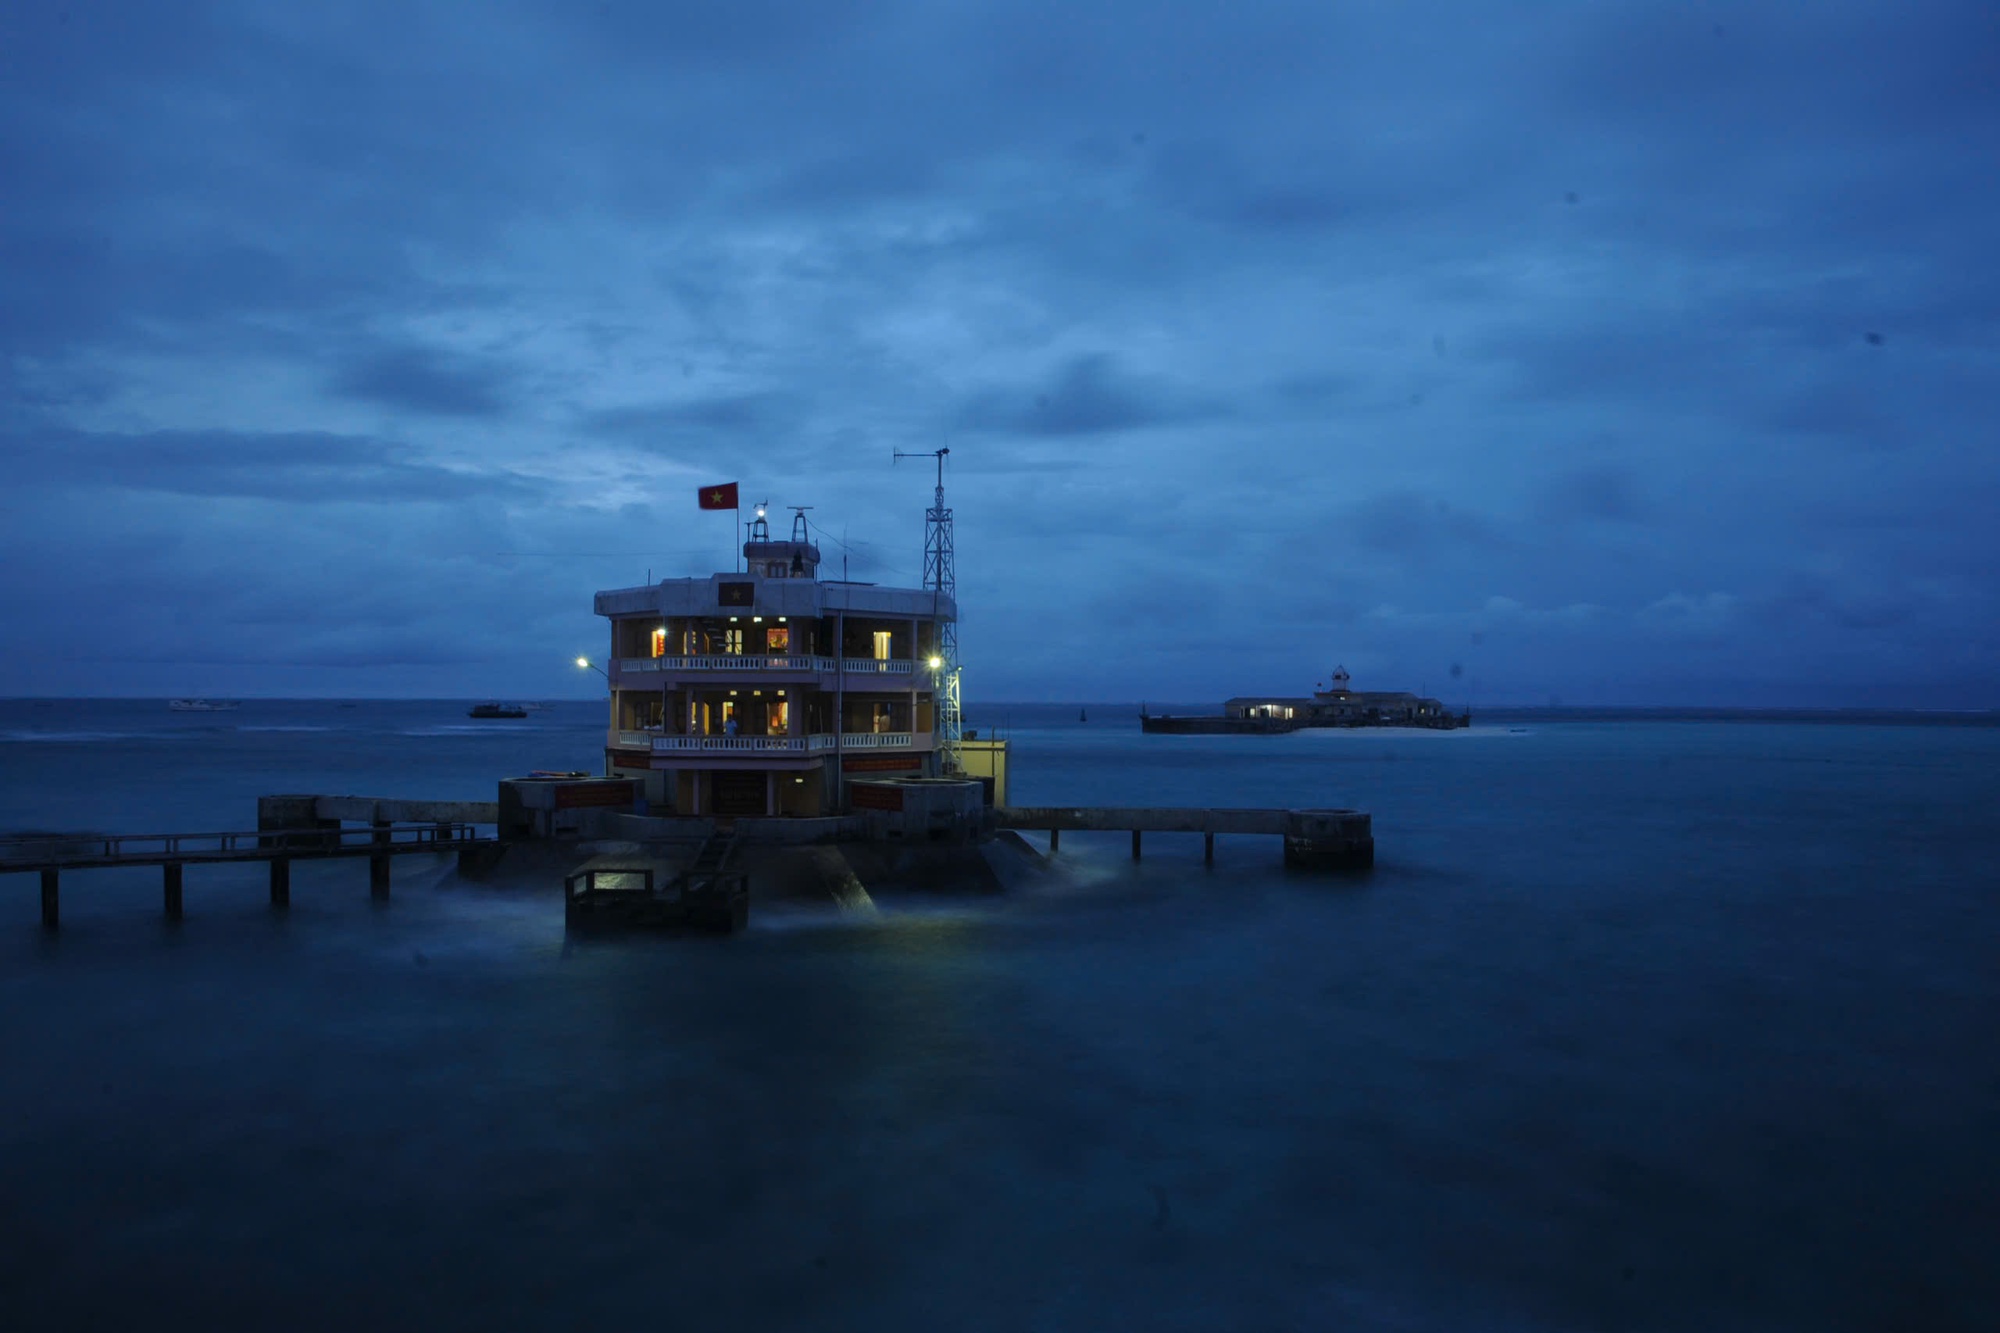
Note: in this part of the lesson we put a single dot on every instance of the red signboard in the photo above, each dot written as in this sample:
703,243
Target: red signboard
864,797
882,763
581,795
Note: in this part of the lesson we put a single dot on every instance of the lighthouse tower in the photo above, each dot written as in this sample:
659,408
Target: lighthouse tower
1340,680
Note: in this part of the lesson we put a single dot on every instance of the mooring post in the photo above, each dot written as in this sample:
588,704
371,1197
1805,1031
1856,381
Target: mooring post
378,863
51,905
1208,849
1135,844
1055,840
281,882
170,875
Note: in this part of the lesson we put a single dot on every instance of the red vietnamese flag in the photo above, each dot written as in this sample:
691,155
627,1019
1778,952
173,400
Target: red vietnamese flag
718,497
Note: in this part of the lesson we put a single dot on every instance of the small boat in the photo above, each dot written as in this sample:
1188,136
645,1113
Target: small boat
496,710
203,705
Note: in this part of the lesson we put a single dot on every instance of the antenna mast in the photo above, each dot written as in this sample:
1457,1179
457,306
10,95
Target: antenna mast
941,577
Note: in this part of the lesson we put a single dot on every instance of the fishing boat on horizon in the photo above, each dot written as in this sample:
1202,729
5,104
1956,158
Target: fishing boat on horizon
203,705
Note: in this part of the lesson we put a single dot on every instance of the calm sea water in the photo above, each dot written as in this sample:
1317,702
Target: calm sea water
1680,1025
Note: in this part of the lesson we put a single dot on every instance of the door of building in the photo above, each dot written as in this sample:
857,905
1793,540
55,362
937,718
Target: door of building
738,794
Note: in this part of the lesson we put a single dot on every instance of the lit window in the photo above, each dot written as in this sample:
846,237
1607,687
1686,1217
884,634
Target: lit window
882,637
660,641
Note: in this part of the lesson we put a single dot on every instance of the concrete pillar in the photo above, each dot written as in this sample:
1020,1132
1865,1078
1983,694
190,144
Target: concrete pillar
378,862
1055,840
51,899
1135,844
170,876
1208,849
281,882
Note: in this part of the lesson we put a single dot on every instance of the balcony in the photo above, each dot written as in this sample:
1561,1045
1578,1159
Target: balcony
853,666
749,746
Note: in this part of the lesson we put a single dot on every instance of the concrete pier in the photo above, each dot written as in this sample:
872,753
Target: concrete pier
1312,839
51,854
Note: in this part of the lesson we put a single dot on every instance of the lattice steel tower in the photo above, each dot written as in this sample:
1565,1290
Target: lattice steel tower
942,579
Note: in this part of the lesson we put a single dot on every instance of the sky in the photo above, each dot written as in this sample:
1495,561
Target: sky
1610,353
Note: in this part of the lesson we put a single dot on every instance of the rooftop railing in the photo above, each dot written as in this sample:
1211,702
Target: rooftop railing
854,666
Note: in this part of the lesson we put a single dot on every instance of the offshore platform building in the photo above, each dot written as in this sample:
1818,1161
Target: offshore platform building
766,692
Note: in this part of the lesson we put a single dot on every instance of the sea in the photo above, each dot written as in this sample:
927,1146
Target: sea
1638,1023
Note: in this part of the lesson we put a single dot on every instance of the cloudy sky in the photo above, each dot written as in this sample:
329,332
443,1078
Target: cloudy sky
1616,352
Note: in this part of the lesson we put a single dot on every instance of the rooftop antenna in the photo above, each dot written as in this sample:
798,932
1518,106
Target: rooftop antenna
941,578
802,537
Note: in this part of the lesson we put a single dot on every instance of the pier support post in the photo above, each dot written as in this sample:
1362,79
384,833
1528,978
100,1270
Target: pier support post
1135,844
51,899
1208,849
170,877
281,882
1055,840
378,863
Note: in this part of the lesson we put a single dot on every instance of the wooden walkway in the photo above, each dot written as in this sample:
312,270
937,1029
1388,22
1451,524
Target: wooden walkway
1313,839
49,854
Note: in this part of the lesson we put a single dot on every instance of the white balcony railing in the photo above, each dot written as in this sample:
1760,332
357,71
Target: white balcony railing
780,745
864,666
853,666
726,662
881,740
741,744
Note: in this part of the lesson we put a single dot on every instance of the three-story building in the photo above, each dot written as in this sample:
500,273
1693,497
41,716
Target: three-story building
764,692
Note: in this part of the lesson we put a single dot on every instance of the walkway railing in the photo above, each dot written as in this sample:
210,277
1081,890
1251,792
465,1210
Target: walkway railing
28,851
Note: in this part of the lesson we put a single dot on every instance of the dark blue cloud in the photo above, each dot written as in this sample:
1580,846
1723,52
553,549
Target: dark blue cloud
421,380
1536,341
312,467
1086,395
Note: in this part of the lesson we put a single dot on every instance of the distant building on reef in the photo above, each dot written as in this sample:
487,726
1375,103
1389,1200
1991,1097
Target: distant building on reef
1339,706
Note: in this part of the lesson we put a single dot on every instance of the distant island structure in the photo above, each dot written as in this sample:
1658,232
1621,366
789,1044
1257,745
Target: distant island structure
1339,706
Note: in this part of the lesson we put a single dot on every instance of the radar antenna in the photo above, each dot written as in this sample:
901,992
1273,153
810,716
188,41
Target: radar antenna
941,578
